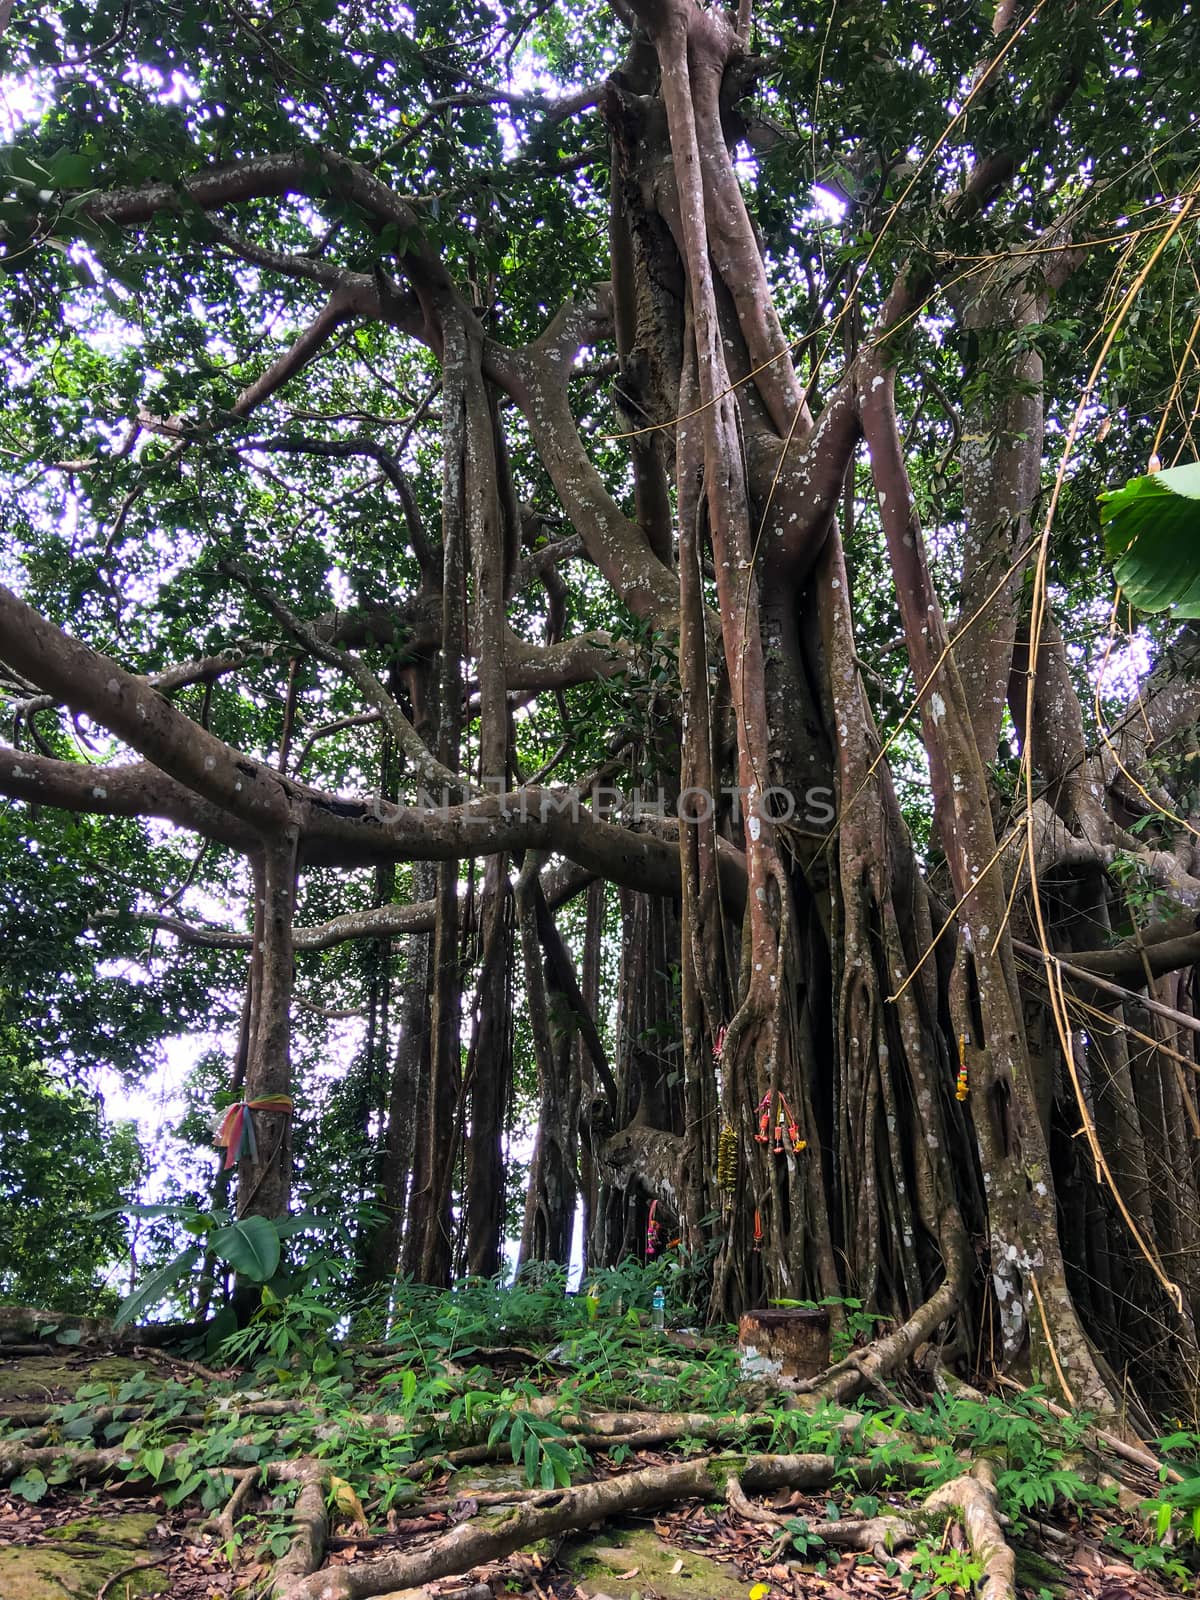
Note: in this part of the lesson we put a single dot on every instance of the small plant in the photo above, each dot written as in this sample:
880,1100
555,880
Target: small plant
542,1446
250,1246
1153,1557
291,1332
801,1537
935,1570
859,1326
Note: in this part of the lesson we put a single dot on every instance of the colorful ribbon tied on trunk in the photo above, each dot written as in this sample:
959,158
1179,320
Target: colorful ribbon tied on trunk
653,1232
237,1126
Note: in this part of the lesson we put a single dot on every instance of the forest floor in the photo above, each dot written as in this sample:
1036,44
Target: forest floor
597,1460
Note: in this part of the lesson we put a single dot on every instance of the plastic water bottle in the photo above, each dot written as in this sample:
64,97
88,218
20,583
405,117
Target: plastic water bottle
658,1313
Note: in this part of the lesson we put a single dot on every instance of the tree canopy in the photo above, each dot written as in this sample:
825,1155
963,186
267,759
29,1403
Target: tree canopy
554,575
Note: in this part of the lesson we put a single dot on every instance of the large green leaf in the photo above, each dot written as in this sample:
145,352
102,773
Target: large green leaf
155,1288
250,1246
1152,532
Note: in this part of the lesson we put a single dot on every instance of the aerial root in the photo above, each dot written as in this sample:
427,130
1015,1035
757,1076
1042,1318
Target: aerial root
972,1498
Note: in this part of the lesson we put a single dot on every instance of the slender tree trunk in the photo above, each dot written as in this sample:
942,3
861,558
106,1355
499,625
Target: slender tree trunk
409,1080
489,1077
265,1177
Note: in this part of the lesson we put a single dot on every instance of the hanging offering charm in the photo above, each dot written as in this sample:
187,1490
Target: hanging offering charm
961,1089
727,1154
784,1120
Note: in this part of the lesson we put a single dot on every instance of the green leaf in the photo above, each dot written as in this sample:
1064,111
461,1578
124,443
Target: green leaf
180,1492
30,1486
157,1287
154,1461
250,1246
1152,534
70,170
303,1221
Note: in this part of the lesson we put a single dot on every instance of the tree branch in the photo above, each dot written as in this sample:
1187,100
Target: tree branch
129,707
396,723
137,790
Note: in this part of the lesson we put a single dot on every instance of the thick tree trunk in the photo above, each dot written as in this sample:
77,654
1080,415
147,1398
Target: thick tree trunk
835,1071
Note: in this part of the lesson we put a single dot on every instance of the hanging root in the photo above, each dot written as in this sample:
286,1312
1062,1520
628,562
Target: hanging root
972,1498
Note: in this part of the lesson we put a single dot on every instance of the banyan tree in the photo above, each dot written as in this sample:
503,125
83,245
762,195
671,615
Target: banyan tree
571,534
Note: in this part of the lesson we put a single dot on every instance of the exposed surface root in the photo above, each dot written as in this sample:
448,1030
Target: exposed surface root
477,1541
109,1584
866,1367
972,1498
874,1534
310,1523
735,1499
225,1522
474,1591
880,1535
1104,1440
82,1465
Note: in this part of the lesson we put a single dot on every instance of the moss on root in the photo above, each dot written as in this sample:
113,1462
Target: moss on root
597,1563
80,1557
55,1376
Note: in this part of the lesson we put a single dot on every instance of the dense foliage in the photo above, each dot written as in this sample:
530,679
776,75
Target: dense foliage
61,1163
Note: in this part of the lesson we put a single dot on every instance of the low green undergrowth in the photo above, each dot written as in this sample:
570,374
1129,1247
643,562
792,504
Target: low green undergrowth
507,1371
